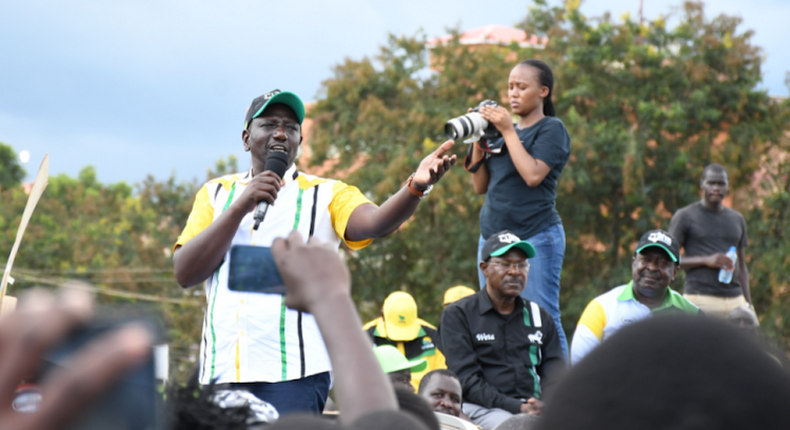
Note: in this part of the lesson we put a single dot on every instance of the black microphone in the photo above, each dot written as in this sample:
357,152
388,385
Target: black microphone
278,164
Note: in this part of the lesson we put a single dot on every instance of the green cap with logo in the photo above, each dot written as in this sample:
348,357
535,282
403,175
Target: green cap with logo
275,96
500,243
661,239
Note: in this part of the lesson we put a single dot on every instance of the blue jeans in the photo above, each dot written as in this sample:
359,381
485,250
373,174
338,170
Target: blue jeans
543,282
300,395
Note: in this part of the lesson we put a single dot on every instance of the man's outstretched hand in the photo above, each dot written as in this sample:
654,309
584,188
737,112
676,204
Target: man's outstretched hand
312,271
433,167
40,323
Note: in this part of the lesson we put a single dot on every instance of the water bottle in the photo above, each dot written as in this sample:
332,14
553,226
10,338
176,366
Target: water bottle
725,276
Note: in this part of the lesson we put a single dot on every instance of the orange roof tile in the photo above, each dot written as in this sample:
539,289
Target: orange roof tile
494,35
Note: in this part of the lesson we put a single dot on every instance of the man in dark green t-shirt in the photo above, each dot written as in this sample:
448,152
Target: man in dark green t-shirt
706,230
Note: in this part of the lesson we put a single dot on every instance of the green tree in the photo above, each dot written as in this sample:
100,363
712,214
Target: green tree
769,236
11,172
115,239
223,167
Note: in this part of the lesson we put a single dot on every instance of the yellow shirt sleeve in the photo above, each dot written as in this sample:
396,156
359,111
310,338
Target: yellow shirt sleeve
346,198
594,318
589,331
202,216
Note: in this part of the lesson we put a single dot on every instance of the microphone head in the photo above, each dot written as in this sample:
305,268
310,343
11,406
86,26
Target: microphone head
277,163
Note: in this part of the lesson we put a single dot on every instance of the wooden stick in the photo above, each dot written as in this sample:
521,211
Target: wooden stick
32,201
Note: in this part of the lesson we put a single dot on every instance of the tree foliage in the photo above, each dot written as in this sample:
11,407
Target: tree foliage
768,221
11,172
115,239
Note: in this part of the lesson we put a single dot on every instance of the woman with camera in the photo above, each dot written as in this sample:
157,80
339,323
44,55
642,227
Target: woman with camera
519,180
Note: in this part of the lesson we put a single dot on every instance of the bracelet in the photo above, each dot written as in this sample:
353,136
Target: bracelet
414,191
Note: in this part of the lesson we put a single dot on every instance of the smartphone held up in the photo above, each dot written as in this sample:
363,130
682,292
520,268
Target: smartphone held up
252,268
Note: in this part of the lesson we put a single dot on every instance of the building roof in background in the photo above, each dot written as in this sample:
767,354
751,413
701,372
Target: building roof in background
494,35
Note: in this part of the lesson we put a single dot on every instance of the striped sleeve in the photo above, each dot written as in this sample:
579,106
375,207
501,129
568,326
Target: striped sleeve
202,216
589,331
346,198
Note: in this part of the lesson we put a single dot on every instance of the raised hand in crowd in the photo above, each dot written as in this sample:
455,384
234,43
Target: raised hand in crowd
318,282
42,321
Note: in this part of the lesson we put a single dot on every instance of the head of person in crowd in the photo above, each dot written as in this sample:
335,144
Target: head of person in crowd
195,406
377,420
441,388
655,264
273,123
458,292
673,371
520,422
397,366
504,264
715,184
399,317
413,404
744,319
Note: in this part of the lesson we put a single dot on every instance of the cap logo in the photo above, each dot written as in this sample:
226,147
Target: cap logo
270,94
401,318
509,238
660,237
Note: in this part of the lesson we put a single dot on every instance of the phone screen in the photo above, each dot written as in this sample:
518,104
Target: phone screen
252,268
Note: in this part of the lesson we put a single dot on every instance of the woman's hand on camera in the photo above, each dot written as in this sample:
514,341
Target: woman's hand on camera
498,116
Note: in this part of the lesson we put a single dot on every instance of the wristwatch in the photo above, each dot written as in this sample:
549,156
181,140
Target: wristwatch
420,194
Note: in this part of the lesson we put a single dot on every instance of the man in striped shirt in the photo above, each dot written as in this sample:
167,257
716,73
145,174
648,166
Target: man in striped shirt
655,264
252,341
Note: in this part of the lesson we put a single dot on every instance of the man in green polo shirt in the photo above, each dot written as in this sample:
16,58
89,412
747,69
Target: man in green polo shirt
655,265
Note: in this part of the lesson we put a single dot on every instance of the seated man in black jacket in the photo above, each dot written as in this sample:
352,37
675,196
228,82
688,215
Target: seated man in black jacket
505,349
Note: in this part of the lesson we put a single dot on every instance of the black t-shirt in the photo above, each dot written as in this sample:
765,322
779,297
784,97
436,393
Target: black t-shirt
512,204
702,231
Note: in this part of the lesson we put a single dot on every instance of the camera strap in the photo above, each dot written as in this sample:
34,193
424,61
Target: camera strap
468,160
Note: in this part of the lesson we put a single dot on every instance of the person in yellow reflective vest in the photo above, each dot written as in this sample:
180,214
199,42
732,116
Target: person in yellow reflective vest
400,327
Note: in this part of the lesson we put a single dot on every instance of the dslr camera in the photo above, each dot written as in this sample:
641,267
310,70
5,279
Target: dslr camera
472,126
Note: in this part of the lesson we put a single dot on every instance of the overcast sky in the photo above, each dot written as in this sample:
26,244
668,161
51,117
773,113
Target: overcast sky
139,87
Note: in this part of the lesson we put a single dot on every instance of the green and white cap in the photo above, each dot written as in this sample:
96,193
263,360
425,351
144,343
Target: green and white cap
276,96
661,239
502,242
